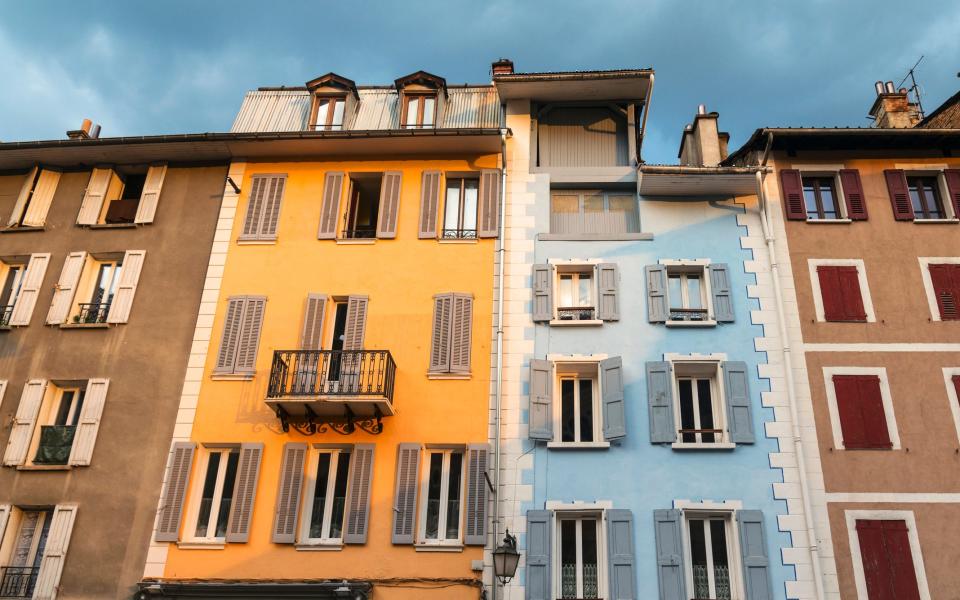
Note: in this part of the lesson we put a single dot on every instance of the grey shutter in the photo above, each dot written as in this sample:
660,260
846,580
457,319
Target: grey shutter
330,206
429,204
356,323
405,494
608,302
753,550
621,555
312,336
30,289
539,561
127,286
540,425
489,217
251,223
460,333
249,338
289,490
720,288
614,405
244,492
542,293
660,398
55,552
358,498
390,190
85,435
440,335
273,198
657,309
150,196
94,195
227,355
174,492
668,527
737,392
475,529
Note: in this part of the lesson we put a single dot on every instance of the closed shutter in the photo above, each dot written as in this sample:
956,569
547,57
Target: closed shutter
55,552
539,554
853,194
903,575
244,492
390,191
887,559
668,530
150,196
249,339
174,492
608,280
657,309
356,324
953,189
26,190
23,423
358,498
540,426
753,553
840,293
955,379
289,490
899,194
4,518
489,217
614,405
36,213
3,391
860,406
227,355
93,196
66,288
440,333
660,398
460,333
720,289
127,286
429,204
330,207
542,293
405,494
946,287
89,423
30,289
736,389
273,198
792,186
251,223
312,336
475,528
621,555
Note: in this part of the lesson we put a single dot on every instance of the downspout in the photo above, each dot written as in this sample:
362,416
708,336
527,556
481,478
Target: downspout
498,390
768,235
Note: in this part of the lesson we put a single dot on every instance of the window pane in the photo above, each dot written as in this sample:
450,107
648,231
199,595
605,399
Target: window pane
565,203
428,104
721,568
568,559
338,114
470,194
706,409
675,291
78,406
320,495
206,496
227,498
698,556
567,411
323,108
103,284
623,203
453,497
915,199
585,290
339,495
932,196
63,411
586,410
451,213
827,199
593,203
686,409
413,105
565,297
694,293
810,198
588,536
433,496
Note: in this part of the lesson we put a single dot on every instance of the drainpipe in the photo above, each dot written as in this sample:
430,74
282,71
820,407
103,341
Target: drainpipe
768,233
498,391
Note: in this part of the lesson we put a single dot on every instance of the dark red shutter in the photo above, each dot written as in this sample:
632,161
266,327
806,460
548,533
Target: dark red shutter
946,286
899,194
956,385
847,389
871,409
953,189
840,291
792,187
853,194
876,564
903,575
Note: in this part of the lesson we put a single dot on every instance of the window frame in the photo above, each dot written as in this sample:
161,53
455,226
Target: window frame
313,464
460,232
700,266
321,100
420,98
719,401
8,542
579,365
53,397
865,296
859,576
6,266
885,397
578,515
424,498
837,190
705,511
606,194
199,475
87,286
925,262
578,267
939,189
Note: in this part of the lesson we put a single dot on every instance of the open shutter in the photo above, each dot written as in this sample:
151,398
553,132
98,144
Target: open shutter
390,190
174,492
227,355
429,204
66,288
244,492
792,186
405,494
289,490
4,518
660,398
489,217
26,190
440,335
127,286
150,196
358,498
312,336
55,552
668,524
539,550
899,194
608,280
542,293
475,529
356,323
30,289
93,196
330,207
720,289
36,214
249,339
736,389
89,422
753,552
540,426
953,189
273,198
853,194
871,407
461,333
621,555
22,431
614,406
657,309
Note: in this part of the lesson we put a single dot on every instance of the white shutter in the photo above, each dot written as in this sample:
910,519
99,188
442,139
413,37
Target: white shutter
30,289
55,553
151,194
66,288
36,214
93,197
23,422
127,286
4,518
89,423
25,190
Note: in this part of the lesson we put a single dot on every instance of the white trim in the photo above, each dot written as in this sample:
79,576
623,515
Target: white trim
588,323
920,166
442,516
891,347
560,505
886,398
706,510
851,517
925,262
703,446
712,357
954,401
601,445
310,481
812,168
708,505
896,497
951,220
569,358
685,262
813,263
578,511
843,221
595,408
574,262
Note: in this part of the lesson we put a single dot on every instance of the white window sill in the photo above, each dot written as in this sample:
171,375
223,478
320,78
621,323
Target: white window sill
451,376
443,241
829,221
708,323
319,547
585,323
358,242
256,242
201,545
935,221
111,226
85,326
578,445
44,467
232,377
451,547
695,446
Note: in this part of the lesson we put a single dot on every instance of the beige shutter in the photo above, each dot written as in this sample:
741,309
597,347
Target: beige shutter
489,210
273,198
358,496
460,333
66,288
330,207
429,204
25,191
312,336
174,492
440,335
36,214
390,190
55,552
3,391
93,196
23,423
251,224
244,492
150,196
89,423
289,490
4,518
127,286
30,289
249,338
356,323
227,356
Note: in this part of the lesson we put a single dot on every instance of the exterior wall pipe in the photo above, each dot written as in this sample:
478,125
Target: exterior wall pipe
498,392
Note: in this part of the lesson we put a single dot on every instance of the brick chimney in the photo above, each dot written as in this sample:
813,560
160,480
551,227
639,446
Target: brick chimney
702,144
892,109
87,131
504,66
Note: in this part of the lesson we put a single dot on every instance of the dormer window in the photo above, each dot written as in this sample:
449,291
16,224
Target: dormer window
420,111
334,101
421,95
330,113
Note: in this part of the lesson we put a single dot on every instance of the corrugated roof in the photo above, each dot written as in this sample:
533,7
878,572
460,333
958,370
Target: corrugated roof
277,110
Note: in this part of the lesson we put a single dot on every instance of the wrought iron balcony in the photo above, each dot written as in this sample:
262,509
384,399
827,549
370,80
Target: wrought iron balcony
688,314
360,233
313,390
17,582
92,312
575,313
6,311
56,441
459,234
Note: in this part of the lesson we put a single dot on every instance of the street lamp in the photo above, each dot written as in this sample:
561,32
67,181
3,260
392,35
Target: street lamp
506,558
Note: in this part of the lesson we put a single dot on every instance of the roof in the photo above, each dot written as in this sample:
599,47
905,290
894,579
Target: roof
614,84
696,183
947,115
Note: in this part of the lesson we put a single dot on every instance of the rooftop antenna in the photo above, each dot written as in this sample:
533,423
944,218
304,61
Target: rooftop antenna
914,88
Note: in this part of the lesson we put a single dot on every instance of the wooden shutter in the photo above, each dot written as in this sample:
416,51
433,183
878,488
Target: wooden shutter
614,405
860,406
461,326
311,338
955,379
405,494
89,423
952,177
896,541
26,190
358,496
55,552
736,387
174,492
289,490
356,323
946,287
660,400
244,492
791,185
542,293
657,309
4,518
251,223
608,303
3,391
540,419
36,213
668,530
227,355
621,555
475,527
66,288
887,559
30,289
271,207
899,194
150,196
430,189
440,334
126,286
94,195
539,555
489,212
249,338
330,206
23,423
853,194
390,192
753,554
840,293
720,290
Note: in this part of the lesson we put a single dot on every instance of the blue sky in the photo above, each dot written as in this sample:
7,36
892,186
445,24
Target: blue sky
171,67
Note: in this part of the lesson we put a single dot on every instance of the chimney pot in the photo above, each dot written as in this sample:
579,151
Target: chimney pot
503,66
890,88
95,131
879,87
85,126
701,109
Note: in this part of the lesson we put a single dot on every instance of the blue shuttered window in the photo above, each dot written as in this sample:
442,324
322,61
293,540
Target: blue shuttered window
614,405
753,550
737,394
660,400
668,531
539,523
541,400
720,289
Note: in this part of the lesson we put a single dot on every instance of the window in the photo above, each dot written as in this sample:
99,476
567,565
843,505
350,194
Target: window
698,403
687,294
326,497
36,195
887,560
925,197
419,110
861,412
711,548
460,209
105,285
840,293
441,498
577,402
18,576
216,496
329,115
106,275
576,296
115,197
571,292
263,208
578,407
57,425
123,208
593,212
451,336
12,275
945,281
578,541
363,206
820,198
241,336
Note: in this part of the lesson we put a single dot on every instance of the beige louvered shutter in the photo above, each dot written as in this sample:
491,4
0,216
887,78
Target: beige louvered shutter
244,492
312,336
55,552
174,492
460,333
358,497
4,518
475,526
66,288
356,323
330,206
127,286
489,210
390,190
273,198
30,289
150,197
26,190
405,494
227,355
36,214
429,204
89,423
289,490
249,338
440,335
3,391
93,196
23,423
251,223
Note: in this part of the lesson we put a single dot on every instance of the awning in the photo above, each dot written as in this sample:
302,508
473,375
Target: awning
697,182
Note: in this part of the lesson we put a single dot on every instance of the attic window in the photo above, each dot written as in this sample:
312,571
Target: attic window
329,115
419,110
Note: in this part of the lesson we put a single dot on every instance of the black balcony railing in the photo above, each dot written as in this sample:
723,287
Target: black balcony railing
312,373
17,582
459,234
56,441
360,233
92,312
575,313
6,311
688,314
